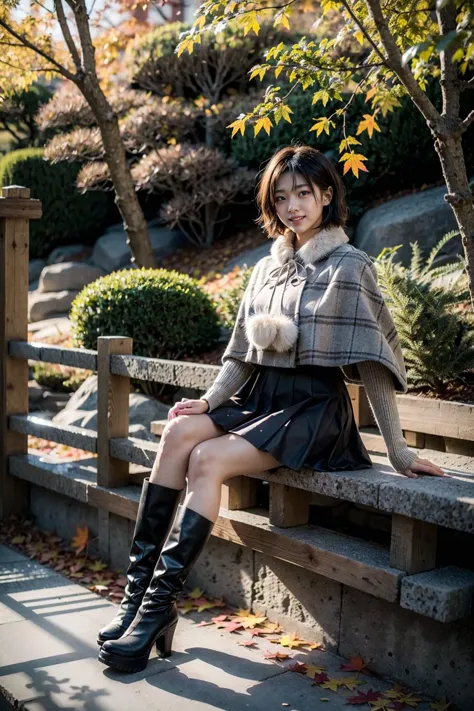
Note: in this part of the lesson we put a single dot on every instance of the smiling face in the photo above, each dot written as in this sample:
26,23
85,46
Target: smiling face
296,205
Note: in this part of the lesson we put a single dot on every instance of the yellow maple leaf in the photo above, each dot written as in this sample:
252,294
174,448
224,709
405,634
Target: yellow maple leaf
79,541
332,684
442,705
368,124
237,125
322,124
249,620
313,670
250,22
196,593
292,641
265,123
349,141
353,162
350,682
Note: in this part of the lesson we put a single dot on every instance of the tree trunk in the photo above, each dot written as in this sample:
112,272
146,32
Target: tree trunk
449,148
115,157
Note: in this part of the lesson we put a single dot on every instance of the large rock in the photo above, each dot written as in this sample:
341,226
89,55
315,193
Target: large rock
57,326
423,217
68,275
111,251
41,305
69,253
35,267
81,409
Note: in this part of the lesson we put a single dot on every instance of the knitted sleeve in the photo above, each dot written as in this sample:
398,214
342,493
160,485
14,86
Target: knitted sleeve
378,383
231,377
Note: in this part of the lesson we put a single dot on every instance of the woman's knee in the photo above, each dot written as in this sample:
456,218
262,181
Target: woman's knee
206,462
180,431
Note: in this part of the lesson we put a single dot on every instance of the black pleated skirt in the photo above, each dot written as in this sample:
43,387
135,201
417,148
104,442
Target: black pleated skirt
302,416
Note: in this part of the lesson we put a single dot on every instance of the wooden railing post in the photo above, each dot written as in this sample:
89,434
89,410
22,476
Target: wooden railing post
16,210
112,421
112,410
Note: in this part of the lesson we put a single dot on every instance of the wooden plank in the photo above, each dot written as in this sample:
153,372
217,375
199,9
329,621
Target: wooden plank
413,544
19,207
415,439
359,564
288,506
70,435
14,249
439,417
239,492
112,410
363,415
73,357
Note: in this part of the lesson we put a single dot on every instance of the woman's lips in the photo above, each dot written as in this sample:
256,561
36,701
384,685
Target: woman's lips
297,219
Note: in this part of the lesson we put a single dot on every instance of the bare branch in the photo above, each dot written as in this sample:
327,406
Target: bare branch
467,121
82,23
449,74
67,34
466,84
26,43
394,62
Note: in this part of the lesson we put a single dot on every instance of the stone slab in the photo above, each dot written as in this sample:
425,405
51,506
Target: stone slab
433,658
301,601
48,661
444,501
445,594
10,555
26,575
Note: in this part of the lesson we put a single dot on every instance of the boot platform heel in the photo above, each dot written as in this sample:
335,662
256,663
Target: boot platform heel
164,643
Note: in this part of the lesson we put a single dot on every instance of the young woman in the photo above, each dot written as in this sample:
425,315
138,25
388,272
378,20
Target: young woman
311,317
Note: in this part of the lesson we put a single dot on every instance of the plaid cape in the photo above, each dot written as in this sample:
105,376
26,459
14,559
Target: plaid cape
340,312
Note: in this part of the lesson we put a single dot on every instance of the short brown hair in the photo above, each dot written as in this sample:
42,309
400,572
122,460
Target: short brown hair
317,169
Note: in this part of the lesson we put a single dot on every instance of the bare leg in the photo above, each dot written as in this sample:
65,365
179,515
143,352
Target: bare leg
179,437
212,462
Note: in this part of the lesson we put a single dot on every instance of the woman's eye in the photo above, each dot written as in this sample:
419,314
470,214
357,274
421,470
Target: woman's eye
304,191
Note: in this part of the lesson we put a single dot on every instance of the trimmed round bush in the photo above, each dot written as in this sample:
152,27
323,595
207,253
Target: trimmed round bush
68,215
165,312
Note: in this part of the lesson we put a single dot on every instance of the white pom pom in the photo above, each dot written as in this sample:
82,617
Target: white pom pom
261,330
287,333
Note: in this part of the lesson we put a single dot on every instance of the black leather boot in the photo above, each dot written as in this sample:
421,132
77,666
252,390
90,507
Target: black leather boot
157,616
156,513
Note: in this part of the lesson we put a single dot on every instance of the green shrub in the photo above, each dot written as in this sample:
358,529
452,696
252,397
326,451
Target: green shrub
68,216
437,339
402,156
165,312
229,300
59,378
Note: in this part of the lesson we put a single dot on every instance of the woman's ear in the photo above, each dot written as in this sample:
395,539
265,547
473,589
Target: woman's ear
327,196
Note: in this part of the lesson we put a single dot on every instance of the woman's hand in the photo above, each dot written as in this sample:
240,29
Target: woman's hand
187,407
423,466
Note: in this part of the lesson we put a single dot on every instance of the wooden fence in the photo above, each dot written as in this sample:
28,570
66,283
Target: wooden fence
416,511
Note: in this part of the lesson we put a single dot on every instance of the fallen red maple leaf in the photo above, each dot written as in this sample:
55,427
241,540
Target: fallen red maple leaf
363,697
354,664
298,667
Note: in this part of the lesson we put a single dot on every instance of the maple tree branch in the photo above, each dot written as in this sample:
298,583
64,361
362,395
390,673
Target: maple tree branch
67,34
29,45
467,121
466,84
449,74
82,23
394,62
365,32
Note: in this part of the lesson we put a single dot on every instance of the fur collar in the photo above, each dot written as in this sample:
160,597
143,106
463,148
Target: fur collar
318,247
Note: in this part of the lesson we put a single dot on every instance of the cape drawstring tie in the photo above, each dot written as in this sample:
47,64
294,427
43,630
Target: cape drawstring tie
274,277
